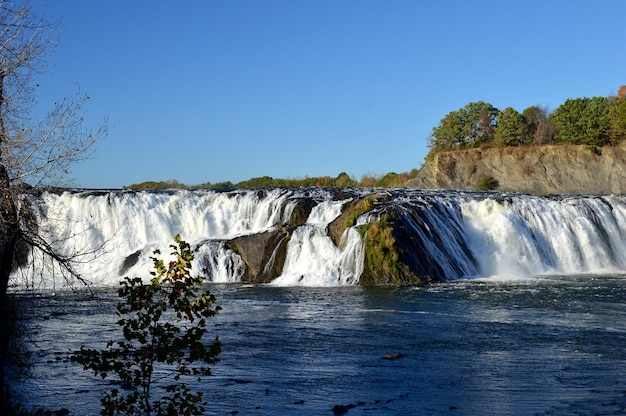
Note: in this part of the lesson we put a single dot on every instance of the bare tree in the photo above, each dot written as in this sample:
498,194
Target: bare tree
32,152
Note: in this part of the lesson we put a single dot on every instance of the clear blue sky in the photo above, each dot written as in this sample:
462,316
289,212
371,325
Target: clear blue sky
208,91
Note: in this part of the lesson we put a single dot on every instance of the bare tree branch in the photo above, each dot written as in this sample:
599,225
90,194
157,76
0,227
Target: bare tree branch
31,152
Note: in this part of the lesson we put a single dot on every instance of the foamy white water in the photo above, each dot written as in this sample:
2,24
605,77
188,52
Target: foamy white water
457,234
524,236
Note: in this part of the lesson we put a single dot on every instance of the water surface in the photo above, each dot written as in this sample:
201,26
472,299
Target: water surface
545,345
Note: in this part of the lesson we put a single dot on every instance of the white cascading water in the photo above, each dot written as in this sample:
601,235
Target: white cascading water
525,236
465,234
312,257
106,228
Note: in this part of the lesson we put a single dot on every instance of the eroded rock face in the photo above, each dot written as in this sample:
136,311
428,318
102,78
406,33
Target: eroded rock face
351,211
536,170
349,214
264,254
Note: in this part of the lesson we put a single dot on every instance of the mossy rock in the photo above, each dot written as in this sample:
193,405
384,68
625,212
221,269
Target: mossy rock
352,211
385,261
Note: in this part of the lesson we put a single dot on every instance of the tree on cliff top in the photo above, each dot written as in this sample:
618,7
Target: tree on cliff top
583,121
512,129
33,152
467,127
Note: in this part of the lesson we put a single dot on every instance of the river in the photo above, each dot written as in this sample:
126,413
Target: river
546,345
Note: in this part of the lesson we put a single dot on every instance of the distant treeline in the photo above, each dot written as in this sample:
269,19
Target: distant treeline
596,121
343,180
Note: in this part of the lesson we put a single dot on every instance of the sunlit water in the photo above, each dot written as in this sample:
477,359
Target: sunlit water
548,345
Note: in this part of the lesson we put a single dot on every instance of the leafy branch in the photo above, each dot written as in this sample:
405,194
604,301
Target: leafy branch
163,323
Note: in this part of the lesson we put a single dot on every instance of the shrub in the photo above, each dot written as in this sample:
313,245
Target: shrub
379,247
487,183
163,323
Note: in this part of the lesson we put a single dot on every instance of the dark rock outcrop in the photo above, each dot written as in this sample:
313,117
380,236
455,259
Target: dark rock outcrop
301,211
264,254
392,254
342,409
129,262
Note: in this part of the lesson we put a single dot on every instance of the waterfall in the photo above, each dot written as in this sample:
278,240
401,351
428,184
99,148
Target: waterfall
314,260
454,234
115,233
523,236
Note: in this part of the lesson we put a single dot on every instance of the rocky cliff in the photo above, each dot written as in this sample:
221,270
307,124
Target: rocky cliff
537,170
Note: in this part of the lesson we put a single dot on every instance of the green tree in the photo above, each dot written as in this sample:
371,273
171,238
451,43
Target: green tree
582,121
448,134
344,180
480,122
616,116
512,128
163,324
392,180
469,126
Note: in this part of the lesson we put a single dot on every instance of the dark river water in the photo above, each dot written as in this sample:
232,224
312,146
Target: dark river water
540,346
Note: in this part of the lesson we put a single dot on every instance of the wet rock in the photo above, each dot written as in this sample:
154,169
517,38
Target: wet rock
263,253
350,212
342,409
301,211
392,254
393,356
129,262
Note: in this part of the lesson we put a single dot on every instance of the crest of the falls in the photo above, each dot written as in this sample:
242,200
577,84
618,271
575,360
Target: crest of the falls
452,234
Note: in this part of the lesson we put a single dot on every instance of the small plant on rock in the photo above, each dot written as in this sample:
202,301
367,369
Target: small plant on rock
487,183
379,246
163,323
